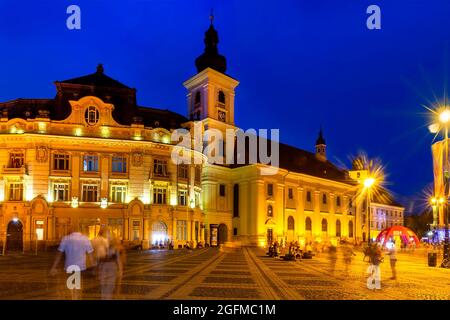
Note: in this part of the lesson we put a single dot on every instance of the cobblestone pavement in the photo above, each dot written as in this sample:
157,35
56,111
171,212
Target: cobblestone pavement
243,273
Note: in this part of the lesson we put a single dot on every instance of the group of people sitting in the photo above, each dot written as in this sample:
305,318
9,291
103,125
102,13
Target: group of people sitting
291,251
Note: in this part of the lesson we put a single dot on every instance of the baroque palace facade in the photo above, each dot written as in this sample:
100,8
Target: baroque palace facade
92,156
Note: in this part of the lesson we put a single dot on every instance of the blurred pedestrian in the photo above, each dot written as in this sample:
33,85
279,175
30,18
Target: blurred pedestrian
392,252
110,268
348,254
74,248
332,257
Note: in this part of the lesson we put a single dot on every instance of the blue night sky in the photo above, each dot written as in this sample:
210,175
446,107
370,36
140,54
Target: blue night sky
300,63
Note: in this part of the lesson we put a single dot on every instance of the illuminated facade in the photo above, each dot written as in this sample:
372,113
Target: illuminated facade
92,156
385,214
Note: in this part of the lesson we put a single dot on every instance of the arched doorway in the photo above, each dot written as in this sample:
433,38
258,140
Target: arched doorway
223,234
159,233
291,228
14,240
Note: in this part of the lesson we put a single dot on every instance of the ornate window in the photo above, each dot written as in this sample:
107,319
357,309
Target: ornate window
60,191
91,115
119,164
160,195
16,159
160,168
183,171
90,193
15,191
61,161
291,223
181,230
90,163
182,197
118,193
308,224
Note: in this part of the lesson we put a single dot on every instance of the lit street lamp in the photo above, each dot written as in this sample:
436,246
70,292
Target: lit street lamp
443,121
368,183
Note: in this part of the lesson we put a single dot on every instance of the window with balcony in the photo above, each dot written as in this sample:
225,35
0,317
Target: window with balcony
183,171
61,161
119,164
182,197
160,168
60,191
90,163
16,160
15,192
160,195
118,193
89,193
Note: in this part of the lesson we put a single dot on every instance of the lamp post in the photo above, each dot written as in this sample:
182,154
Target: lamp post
444,119
368,183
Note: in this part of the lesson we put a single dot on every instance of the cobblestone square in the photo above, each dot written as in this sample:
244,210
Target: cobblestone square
230,273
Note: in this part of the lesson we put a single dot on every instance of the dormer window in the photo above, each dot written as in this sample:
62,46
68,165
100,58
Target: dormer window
91,115
221,97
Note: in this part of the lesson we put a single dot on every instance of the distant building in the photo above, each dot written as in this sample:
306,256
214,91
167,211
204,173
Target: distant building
384,213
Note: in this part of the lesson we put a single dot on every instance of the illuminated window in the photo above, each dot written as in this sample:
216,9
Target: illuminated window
118,193
183,171
182,197
61,161
119,164
91,115
160,168
60,191
160,195
15,192
90,193
90,163
16,160
181,230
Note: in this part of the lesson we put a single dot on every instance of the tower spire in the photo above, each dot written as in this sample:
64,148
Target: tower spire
211,57
321,146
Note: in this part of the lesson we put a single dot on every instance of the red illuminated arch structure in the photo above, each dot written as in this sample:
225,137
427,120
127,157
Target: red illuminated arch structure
406,235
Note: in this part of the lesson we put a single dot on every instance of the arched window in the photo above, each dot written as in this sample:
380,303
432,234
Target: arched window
350,229
91,115
324,225
221,97
291,223
338,228
269,210
198,98
308,224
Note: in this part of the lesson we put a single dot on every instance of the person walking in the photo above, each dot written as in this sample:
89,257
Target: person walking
74,248
393,259
347,255
110,268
